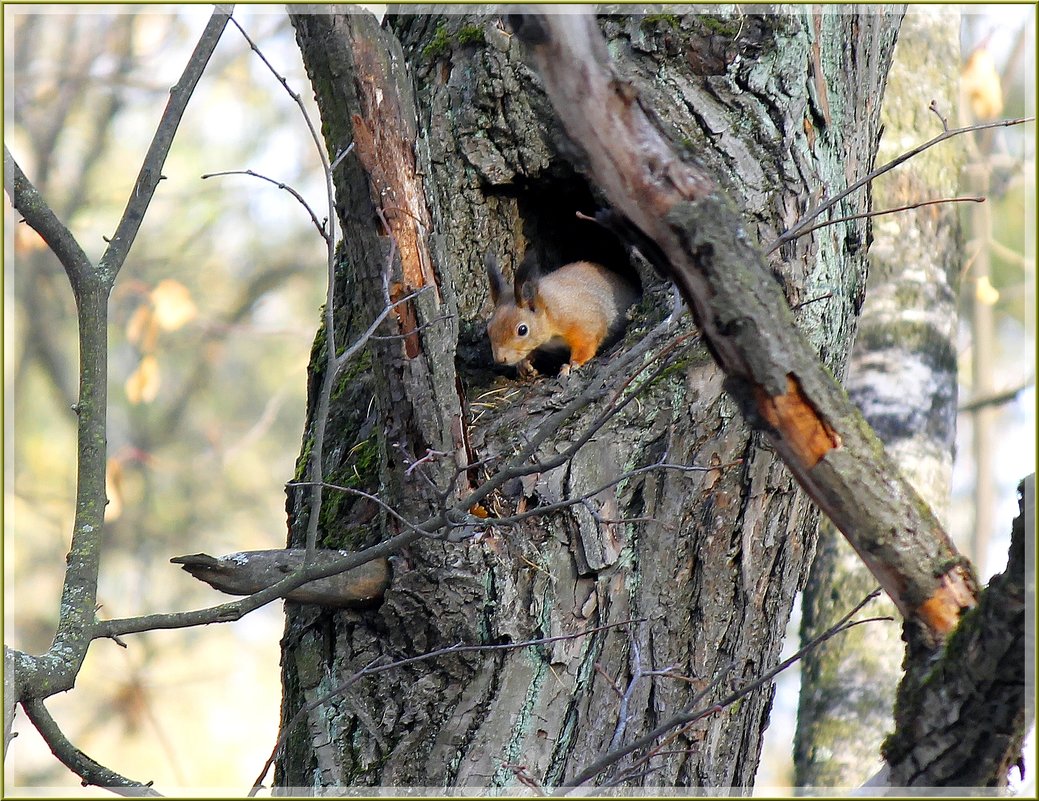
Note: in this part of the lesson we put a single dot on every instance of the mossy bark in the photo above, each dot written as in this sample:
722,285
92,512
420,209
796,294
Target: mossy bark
903,378
707,562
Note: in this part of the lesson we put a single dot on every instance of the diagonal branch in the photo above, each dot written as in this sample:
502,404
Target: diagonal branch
89,770
151,169
772,371
28,202
802,226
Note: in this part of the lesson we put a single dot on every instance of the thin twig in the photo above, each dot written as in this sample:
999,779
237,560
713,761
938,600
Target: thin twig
881,212
375,667
316,468
457,515
368,496
795,231
692,713
281,185
89,770
554,507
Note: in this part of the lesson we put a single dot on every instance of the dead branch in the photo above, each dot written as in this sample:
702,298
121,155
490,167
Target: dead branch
698,239
248,572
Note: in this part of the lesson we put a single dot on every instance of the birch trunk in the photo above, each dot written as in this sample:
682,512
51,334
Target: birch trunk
903,378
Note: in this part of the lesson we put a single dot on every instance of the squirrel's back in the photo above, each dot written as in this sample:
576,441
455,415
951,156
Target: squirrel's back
586,304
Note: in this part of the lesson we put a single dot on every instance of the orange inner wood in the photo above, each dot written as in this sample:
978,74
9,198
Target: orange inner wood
797,421
941,612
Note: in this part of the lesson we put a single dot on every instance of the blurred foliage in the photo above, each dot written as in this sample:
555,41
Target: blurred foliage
212,319
212,322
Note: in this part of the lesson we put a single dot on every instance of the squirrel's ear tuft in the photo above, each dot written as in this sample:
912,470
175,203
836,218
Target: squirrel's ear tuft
494,278
525,287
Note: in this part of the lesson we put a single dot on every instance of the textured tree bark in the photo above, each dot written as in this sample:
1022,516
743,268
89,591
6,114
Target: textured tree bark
780,107
903,378
964,723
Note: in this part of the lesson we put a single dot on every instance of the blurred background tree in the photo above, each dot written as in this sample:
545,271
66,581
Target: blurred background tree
212,322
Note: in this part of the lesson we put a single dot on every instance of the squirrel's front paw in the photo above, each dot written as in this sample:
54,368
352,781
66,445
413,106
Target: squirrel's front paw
526,369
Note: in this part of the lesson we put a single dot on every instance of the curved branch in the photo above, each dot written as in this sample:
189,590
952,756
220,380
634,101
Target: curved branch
89,770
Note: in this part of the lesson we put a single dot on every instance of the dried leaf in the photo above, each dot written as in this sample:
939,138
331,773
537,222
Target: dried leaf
173,305
114,489
142,329
981,85
143,384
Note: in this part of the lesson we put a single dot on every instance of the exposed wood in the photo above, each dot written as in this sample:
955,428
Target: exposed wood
747,323
902,375
964,724
737,532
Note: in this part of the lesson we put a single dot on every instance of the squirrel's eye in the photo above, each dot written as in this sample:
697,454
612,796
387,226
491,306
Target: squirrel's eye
522,330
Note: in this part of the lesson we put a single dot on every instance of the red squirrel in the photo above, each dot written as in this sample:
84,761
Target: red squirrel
579,305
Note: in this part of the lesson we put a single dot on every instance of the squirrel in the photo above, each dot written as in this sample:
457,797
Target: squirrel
580,305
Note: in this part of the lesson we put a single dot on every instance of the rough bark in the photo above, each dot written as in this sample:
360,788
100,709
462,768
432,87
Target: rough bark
903,378
707,562
963,725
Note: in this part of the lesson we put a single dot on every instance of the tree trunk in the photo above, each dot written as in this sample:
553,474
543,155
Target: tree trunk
457,147
903,377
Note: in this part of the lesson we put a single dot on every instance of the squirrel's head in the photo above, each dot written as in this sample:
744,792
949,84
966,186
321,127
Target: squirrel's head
519,323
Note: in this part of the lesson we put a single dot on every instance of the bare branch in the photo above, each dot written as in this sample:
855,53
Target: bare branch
638,471
367,496
151,169
313,217
453,517
332,364
695,235
28,202
882,212
798,229
89,770
378,666
998,398
56,670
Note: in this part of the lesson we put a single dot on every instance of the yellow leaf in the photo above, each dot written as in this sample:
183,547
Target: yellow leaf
981,85
173,305
143,384
985,292
142,329
114,489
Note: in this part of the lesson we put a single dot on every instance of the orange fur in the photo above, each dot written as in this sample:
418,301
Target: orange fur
578,305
